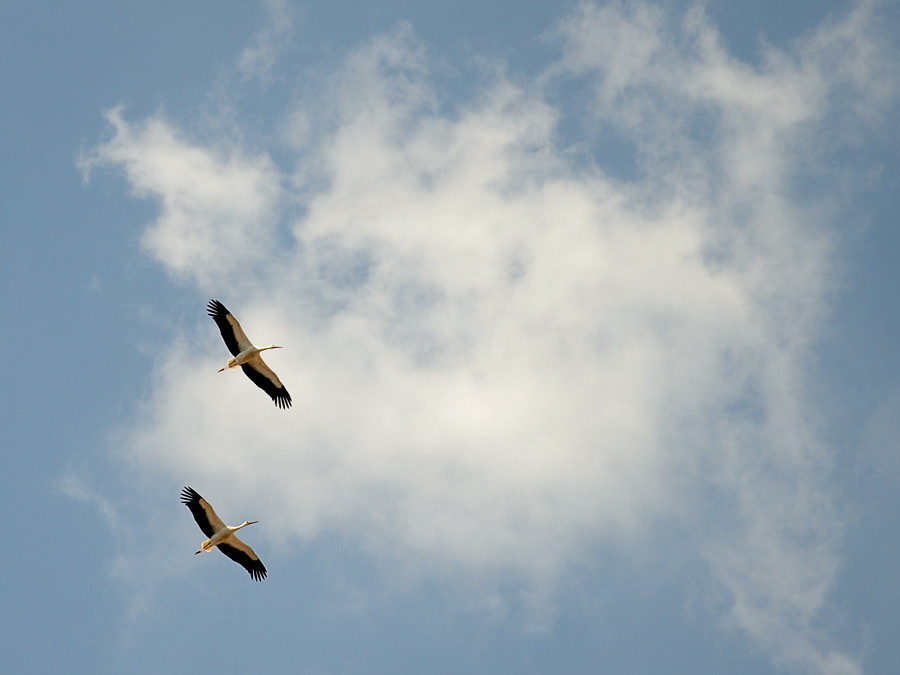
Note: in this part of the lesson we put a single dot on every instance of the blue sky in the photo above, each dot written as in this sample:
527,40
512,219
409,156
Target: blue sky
590,322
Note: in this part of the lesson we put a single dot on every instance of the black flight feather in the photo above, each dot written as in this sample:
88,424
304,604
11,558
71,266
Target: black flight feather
218,312
191,498
279,394
255,567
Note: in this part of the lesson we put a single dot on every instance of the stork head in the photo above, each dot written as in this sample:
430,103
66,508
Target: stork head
270,347
249,522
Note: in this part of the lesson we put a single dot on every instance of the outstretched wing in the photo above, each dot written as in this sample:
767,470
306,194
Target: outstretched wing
206,518
229,327
266,379
244,556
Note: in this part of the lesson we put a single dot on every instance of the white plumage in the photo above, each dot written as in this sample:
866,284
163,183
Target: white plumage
222,535
246,355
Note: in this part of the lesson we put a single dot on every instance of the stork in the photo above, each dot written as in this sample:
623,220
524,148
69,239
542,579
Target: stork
246,355
222,535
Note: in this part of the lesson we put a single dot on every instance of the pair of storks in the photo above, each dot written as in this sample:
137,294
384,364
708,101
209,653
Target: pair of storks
245,355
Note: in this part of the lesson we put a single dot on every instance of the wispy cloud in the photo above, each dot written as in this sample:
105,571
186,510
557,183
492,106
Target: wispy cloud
74,487
145,555
499,358
257,60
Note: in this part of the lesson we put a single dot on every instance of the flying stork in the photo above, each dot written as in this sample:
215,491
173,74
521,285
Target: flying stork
247,356
222,535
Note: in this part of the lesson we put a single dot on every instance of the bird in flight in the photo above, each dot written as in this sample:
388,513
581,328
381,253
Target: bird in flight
245,355
222,535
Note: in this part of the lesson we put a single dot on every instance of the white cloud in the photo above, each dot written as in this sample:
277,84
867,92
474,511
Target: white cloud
497,358
257,60
217,205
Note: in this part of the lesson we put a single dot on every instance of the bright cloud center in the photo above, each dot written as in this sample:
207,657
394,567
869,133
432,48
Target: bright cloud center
499,356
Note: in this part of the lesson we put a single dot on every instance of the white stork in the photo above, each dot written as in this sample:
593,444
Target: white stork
247,356
222,535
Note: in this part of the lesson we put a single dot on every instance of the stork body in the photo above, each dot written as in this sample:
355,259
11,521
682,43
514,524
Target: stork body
222,535
246,355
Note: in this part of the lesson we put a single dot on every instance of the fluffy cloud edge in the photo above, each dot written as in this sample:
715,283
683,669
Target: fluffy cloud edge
777,570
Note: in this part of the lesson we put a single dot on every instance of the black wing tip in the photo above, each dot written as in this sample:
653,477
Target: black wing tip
216,309
279,395
190,495
282,401
249,561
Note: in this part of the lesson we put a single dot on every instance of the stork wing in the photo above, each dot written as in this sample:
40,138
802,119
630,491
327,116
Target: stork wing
229,327
243,555
206,518
266,379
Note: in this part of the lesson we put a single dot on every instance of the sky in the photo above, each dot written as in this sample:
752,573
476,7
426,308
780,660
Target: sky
589,319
